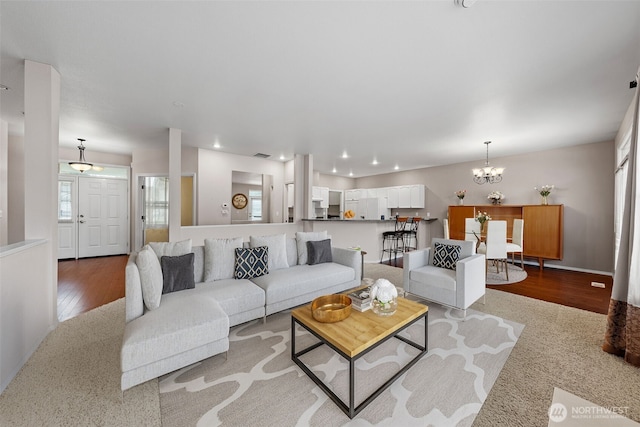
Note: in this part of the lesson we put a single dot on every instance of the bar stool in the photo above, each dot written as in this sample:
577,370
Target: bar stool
411,234
393,241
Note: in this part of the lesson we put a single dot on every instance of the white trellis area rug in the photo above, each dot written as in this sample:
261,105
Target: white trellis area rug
259,385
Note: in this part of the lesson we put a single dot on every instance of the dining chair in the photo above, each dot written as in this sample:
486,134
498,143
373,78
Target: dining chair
471,229
445,225
495,247
517,244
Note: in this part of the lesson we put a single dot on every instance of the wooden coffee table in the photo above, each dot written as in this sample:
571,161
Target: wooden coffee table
354,337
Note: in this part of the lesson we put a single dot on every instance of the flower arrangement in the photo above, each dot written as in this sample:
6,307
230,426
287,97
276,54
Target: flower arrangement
482,217
495,197
460,194
545,190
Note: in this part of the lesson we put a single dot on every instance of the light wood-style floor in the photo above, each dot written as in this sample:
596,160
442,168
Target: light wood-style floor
91,282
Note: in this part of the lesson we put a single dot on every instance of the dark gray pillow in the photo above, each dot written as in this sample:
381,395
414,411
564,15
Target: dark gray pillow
177,273
319,252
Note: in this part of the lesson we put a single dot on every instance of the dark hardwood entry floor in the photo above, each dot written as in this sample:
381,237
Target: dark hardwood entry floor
87,283
91,282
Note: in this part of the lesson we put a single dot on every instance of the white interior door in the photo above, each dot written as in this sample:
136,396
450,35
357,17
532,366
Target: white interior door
102,217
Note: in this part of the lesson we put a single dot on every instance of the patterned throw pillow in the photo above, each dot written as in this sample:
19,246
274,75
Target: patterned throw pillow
446,256
251,262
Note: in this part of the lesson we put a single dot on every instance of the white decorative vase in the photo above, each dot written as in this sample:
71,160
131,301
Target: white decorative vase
384,297
461,200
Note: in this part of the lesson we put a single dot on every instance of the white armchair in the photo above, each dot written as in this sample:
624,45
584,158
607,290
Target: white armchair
457,288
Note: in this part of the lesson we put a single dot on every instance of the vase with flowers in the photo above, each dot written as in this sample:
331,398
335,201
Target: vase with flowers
482,217
496,197
544,191
460,195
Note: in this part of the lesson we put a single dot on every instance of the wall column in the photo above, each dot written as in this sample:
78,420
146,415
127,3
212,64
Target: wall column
175,178
41,130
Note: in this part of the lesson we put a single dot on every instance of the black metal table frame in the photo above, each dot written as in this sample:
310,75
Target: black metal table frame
351,410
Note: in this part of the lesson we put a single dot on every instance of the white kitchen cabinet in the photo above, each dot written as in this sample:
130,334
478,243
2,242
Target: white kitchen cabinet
324,197
320,196
290,195
351,205
417,196
404,196
393,194
353,194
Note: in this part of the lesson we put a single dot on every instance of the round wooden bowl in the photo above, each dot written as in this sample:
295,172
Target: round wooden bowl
331,308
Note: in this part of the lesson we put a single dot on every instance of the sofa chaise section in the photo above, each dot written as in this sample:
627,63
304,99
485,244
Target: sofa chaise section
183,332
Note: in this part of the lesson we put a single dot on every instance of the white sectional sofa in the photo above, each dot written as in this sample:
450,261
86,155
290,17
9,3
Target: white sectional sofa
192,324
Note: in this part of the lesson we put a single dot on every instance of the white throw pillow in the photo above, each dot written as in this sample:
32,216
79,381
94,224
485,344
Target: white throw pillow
150,277
171,248
277,245
220,258
301,242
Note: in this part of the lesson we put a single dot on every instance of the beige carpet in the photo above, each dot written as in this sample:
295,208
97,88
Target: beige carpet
73,377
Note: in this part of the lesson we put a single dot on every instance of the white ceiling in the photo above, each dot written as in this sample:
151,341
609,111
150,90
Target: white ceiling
409,83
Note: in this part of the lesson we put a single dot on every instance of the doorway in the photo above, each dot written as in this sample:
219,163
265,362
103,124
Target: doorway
93,216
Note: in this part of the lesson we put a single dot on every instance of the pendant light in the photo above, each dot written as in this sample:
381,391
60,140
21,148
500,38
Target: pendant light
81,165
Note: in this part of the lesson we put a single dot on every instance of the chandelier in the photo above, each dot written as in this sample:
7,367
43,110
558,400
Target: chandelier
487,173
81,165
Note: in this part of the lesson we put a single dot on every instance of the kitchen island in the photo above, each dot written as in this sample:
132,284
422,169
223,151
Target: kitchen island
365,234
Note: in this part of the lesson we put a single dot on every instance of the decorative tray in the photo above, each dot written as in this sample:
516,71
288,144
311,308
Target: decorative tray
331,308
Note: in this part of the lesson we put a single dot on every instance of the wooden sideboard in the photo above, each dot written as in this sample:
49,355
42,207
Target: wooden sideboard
543,226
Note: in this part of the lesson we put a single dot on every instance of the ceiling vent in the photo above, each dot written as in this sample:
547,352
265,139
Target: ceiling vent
262,155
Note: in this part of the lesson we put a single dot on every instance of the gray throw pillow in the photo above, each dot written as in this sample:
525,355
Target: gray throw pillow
301,242
220,258
171,248
277,245
150,277
319,251
177,273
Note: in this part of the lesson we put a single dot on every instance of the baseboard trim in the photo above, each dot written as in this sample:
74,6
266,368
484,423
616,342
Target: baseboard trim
565,267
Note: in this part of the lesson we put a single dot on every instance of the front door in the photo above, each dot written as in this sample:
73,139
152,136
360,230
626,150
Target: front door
102,217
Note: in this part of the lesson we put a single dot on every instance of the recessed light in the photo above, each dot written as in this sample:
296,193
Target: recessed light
334,170
350,173
345,155
216,143
282,157
375,162
3,87
396,167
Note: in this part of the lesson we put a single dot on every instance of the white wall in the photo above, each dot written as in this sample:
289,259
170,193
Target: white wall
4,183
200,232
583,176
214,184
25,304
15,195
